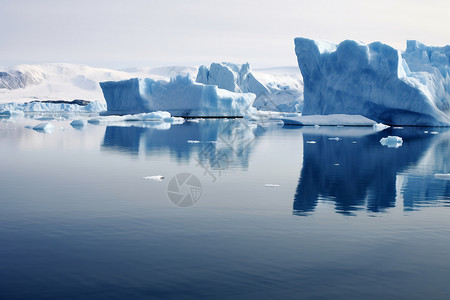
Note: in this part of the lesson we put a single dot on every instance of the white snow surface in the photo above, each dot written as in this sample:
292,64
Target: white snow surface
276,89
376,81
333,120
180,96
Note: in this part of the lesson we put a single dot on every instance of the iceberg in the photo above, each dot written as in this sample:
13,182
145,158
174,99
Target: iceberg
78,123
37,106
376,81
44,127
273,92
181,97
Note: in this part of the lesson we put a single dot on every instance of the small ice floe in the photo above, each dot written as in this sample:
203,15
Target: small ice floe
193,141
271,185
379,126
310,142
426,131
174,120
334,139
44,127
316,126
354,142
434,132
193,120
339,126
78,124
392,141
336,165
442,176
397,127
154,178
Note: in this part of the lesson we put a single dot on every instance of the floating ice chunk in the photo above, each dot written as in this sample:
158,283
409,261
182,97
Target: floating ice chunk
310,142
334,139
154,178
156,116
271,185
442,176
379,126
392,141
44,127
434,132
194,120
79,123
193,141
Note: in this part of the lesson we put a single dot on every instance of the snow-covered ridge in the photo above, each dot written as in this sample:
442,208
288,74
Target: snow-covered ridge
24,83
276,92
376,81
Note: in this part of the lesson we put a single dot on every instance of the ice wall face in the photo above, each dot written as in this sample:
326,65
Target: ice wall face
271,93
373,81
180,96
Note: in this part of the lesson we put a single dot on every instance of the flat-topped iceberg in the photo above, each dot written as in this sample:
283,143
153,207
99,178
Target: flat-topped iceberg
180,96
279,92
376,81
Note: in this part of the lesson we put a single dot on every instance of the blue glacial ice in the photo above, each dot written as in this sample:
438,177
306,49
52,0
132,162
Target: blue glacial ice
180,96
376,81
275,93
19,108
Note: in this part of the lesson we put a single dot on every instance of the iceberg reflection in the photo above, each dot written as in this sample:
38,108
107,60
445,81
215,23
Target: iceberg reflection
357,172
216,143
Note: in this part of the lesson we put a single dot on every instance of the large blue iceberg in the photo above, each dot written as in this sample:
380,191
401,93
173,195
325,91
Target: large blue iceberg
275,93
180,96
376,81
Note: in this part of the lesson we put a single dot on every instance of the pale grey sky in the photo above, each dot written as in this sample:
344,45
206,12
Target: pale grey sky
129,33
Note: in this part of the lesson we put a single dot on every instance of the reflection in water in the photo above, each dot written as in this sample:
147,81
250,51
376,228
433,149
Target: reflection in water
421,187
216,144
358,172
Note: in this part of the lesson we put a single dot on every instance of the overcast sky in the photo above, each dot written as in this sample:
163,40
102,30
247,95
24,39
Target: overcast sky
120,34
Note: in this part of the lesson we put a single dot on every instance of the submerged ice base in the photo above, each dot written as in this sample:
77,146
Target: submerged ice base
376,81
180,96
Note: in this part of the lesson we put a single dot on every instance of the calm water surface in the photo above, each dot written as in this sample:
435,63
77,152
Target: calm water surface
283,212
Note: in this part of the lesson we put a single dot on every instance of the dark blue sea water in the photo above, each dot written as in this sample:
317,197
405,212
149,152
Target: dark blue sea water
280,212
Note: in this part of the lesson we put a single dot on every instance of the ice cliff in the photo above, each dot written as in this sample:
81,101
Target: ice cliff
376,81
180,96
276,93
